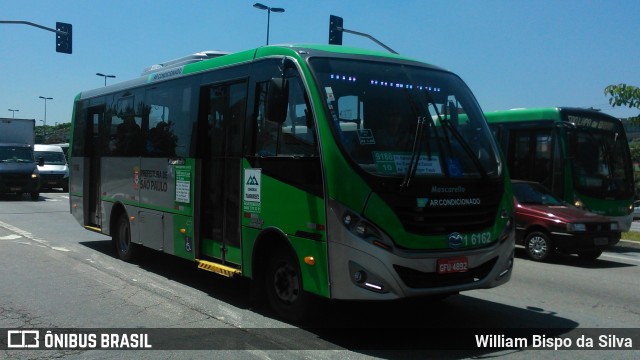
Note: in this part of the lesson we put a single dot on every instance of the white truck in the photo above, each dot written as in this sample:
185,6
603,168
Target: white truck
18,169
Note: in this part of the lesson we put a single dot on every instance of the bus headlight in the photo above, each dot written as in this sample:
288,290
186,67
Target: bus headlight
35,175
366,230
509,226
360,227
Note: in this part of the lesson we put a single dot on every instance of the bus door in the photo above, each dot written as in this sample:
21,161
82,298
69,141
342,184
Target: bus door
223,106
531,155
91,190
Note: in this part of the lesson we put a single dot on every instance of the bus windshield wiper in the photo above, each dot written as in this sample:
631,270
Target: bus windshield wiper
446,124
415,153
417,141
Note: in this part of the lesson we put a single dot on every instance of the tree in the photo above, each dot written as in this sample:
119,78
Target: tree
623,95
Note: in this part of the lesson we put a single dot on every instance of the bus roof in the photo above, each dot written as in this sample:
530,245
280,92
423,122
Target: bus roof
533,114
207,60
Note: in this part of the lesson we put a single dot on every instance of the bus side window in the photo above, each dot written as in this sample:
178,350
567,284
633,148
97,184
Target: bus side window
296,135
168,122
266,131
125,131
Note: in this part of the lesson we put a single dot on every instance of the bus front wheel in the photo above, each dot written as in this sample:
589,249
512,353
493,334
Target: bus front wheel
126,249
284,287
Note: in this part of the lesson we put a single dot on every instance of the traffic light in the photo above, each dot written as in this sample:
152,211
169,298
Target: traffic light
335,30
63,42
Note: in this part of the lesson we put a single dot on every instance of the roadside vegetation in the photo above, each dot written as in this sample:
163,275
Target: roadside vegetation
631,235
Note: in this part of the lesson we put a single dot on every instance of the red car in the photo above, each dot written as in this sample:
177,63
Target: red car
546,225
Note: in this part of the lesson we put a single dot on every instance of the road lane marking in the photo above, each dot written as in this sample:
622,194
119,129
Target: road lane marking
16,230
25,234
10,237
628,258
59,248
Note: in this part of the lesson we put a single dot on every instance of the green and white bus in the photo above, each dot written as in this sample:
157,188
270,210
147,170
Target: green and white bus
317,171
581,155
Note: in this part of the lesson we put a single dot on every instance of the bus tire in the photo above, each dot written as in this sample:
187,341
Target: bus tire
126,249
538,246
284,291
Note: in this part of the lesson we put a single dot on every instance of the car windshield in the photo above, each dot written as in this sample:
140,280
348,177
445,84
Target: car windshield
11,154
534,194
405,121
51,157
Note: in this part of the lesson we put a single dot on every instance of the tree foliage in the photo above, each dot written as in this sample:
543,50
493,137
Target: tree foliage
623,95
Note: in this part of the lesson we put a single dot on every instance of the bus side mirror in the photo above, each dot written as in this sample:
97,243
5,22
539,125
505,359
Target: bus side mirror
277,100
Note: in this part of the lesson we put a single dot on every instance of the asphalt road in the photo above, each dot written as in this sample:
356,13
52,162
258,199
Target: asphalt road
56,275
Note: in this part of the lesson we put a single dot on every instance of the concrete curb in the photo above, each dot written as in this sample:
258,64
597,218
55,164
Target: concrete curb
628,244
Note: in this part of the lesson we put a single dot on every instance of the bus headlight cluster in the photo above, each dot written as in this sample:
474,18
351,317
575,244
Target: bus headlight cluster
509,226
365,230
360,227
579,204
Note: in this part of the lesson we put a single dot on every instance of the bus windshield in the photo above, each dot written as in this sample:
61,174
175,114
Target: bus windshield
407,122
601,167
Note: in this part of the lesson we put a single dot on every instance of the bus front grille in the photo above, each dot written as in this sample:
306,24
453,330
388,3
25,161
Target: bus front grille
442,220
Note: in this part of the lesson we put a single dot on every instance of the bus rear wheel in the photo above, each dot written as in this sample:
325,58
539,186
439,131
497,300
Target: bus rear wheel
283,282
126,249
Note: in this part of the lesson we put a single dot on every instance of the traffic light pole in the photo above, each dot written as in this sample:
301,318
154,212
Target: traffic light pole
63,38
369,37
336,29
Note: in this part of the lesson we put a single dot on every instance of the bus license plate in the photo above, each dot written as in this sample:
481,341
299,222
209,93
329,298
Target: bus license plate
452,265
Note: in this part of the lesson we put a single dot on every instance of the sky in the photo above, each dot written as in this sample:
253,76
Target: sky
511,53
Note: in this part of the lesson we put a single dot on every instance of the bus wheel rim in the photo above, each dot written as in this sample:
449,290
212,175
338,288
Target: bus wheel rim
286,284
124,239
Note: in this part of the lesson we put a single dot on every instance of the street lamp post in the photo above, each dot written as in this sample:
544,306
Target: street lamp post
44,131
44,134
269,10
13,113
105,77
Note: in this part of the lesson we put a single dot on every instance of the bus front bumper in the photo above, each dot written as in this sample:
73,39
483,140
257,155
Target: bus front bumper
362,271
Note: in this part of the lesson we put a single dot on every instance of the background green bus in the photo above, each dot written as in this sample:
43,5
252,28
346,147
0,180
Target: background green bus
581,155
316,171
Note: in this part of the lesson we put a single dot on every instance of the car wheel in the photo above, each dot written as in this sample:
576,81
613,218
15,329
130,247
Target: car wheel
539,246
284,287
126,249
589,254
